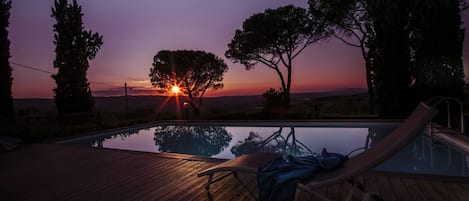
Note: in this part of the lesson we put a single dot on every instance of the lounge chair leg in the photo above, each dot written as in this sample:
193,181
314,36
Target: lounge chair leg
318,196
210,178
350,194
366,196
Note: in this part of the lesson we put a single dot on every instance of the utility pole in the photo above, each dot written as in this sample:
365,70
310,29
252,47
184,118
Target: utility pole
126,103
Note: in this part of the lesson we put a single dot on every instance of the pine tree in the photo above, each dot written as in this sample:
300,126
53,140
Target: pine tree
74,48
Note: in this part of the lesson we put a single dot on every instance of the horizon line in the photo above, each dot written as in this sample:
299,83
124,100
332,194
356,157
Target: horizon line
216,96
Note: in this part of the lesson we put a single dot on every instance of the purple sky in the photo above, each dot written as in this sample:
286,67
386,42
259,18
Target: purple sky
134,31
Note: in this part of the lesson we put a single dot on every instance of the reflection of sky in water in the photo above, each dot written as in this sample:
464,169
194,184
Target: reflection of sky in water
418,157
340,140
141,141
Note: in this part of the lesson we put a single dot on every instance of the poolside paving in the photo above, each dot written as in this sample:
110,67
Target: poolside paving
64,172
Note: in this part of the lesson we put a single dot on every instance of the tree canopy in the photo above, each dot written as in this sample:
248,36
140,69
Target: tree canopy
6,98
437,42
419,50
274,38
74,47
412,49
194,72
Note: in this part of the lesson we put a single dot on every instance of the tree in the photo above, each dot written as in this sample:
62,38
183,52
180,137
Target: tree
437,40
6,99
419,47
194,72
74,47
408,46
349,21
274,38
393,76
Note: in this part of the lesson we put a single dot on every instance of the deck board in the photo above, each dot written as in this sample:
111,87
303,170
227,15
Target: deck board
64,172
443,189
413,191
399,192
463,193
430,193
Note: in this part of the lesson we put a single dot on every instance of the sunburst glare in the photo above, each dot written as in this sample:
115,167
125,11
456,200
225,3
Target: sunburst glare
175,89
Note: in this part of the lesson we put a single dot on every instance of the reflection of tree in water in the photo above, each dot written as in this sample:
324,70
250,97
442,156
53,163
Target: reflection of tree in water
275,143
375,134
195,140
99,142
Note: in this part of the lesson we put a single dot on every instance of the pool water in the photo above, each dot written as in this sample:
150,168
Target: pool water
226,142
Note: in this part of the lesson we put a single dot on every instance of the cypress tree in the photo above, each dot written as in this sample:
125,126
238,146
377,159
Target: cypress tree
392,57
6,100
74,48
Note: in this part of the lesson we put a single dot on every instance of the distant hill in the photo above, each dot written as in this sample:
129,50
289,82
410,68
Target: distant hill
167,104
336,92
37,103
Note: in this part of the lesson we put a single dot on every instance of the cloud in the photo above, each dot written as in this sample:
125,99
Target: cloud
121,92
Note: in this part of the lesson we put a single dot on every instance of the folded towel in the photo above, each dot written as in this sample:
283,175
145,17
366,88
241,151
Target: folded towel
279,179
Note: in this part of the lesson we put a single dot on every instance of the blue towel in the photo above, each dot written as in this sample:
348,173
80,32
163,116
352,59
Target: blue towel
279,179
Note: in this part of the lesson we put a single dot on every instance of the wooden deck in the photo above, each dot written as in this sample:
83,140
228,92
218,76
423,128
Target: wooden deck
64,172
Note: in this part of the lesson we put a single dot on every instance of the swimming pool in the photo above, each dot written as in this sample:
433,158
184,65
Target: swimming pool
227,140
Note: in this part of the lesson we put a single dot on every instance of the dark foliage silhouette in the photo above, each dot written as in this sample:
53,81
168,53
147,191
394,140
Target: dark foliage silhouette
73,48
390,19
274,38
424,57
6,99
412,49
193,71
194,140
273,100
437,40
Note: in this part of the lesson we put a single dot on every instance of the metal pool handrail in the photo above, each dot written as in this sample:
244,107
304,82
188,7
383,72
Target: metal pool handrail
434,101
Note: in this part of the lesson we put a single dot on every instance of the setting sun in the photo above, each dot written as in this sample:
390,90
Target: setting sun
175,89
